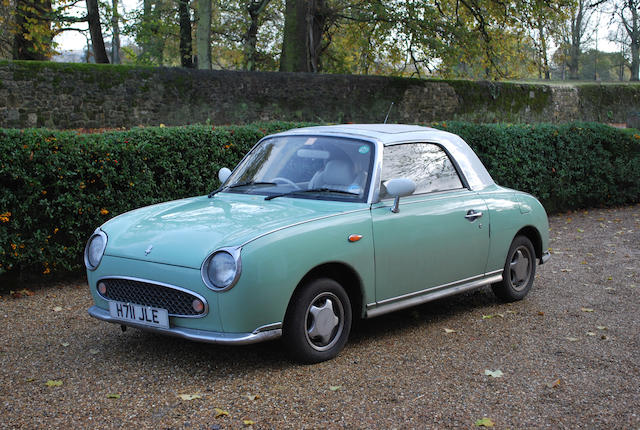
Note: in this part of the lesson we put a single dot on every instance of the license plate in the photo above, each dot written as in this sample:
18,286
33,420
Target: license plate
145,315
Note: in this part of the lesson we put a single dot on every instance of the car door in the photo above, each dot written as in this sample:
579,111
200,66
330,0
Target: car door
440,236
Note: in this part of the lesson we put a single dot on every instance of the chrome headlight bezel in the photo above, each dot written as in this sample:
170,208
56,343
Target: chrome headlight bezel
87,262
204,269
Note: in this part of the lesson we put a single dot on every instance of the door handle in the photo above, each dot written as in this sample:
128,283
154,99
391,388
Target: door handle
472,215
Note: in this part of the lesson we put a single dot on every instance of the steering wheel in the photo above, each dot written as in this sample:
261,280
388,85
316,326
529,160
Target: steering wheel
286,181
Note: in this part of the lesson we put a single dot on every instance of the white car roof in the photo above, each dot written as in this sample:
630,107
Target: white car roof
392,134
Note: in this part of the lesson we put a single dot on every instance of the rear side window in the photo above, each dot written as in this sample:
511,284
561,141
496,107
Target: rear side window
427,164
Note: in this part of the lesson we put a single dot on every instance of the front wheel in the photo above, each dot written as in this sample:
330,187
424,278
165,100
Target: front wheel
519,271
318,321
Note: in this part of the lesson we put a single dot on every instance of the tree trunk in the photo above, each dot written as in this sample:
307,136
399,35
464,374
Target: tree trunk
543,48
186,53
255,8
115,39
7,21
304,24
97,41
576,40
634,35
203,34
635,61
295,51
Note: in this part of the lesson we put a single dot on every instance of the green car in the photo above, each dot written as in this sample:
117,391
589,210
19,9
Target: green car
314,228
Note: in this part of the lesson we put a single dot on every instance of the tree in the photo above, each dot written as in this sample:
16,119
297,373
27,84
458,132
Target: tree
7,21
203,34
629,14
254,8
33,35
115,29
186,59
95,28
304,28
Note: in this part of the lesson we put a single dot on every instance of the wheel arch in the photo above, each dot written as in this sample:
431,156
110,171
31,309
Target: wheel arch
343,274
532,233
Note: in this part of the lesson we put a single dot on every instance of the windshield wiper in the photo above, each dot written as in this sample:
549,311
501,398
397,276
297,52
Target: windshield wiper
241,184
312,190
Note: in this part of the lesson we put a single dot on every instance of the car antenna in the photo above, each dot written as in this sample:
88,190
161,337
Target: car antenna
388,112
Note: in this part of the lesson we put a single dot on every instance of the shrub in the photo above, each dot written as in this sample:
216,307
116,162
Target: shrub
57,187
566,166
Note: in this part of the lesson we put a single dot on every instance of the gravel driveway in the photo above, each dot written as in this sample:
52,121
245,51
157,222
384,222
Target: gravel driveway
569,356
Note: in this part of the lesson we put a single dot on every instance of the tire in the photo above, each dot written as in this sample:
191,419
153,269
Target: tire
519,271
318,321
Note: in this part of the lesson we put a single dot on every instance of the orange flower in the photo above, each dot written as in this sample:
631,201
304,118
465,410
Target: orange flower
14,246
46,271
55,230
44,192
103,211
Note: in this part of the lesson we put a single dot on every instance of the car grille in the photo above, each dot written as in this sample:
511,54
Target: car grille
176,302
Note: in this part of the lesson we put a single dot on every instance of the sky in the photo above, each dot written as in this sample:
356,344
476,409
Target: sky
75,41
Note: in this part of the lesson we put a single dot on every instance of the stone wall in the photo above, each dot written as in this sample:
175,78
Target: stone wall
67,96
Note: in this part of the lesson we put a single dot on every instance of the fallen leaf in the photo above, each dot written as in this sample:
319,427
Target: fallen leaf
572,339
604,337
554,383
93,351
190,396
586,309
113,396
53,383
57,308
580,230
590,333
248,422
335,387
540,313
484,422
494,373
65,344
30,379
601,327
220,413
486,317
252,396
449,330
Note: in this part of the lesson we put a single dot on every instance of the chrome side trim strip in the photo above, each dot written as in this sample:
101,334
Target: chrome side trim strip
195,334
303,222
161,284
424,296
545,257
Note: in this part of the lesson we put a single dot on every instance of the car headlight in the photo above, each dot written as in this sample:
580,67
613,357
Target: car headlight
94,250
221,270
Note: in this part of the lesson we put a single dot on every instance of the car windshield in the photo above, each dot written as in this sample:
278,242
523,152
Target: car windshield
306,167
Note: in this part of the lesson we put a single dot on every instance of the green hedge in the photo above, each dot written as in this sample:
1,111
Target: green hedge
57,187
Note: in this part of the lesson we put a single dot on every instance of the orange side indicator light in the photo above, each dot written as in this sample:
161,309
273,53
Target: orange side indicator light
355,237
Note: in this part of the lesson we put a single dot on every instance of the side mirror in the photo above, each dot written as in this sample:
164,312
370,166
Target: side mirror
223,175
399,187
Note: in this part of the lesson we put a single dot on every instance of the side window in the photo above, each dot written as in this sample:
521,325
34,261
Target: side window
426,163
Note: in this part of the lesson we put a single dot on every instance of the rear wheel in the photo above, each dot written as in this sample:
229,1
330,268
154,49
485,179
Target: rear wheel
519,271
318,321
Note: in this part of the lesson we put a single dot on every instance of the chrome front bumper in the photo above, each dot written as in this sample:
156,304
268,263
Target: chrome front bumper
261,334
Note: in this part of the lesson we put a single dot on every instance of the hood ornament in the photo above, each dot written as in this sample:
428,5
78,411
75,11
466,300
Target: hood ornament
148,250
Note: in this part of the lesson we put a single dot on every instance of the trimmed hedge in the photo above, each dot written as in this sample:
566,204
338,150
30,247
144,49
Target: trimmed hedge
57,187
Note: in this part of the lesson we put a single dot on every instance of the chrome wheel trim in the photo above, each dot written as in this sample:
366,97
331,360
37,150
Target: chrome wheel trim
324,321
520,268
